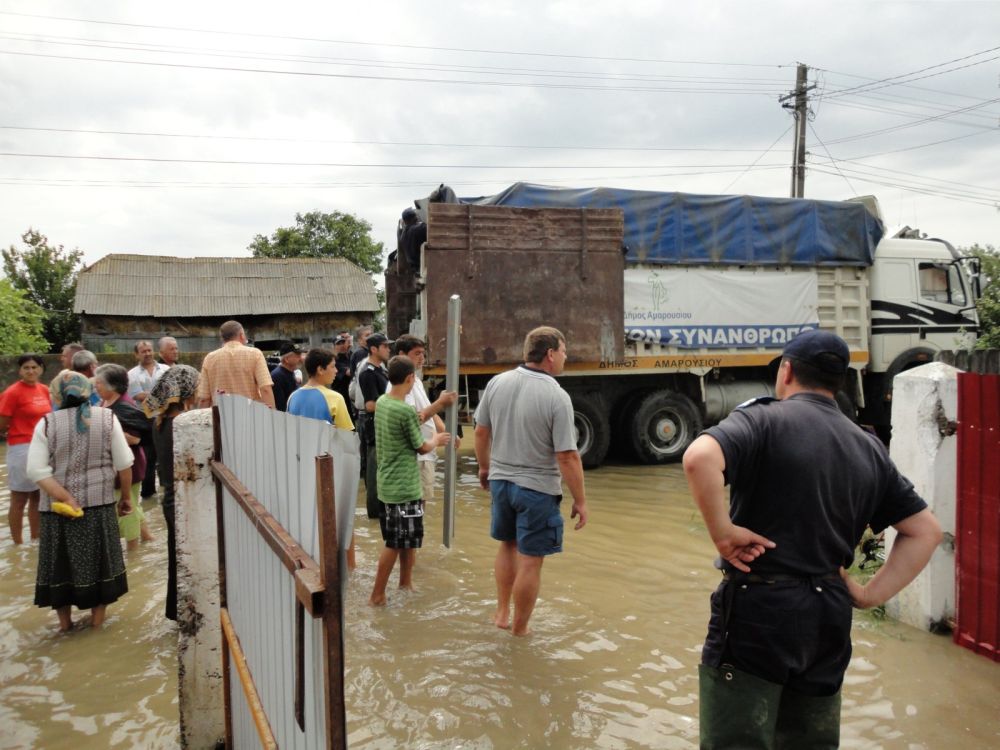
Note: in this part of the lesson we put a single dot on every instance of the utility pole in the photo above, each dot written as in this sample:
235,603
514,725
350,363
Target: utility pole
800,110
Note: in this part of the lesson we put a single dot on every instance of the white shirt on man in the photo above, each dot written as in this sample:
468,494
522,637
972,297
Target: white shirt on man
141,380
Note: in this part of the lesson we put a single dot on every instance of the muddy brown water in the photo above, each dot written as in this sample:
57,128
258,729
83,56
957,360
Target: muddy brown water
612,662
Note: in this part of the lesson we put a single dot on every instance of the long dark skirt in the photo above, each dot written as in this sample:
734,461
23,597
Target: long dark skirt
80,560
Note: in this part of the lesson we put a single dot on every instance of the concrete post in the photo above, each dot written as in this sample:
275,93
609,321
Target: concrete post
199,650
924,410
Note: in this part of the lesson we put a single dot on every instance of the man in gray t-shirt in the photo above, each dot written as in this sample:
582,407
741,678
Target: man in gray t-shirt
526,443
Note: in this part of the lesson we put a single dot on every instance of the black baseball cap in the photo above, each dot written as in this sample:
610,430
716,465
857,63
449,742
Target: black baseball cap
342,339
823,350
289,348
377,339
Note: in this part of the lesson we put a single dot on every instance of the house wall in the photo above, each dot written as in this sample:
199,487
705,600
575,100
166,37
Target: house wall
101,333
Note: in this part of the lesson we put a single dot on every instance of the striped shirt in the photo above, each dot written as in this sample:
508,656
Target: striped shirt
234,368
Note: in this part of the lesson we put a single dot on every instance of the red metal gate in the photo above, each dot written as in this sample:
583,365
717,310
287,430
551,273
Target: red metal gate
977,527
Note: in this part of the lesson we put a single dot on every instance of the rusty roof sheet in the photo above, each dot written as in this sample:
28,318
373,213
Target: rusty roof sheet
160,286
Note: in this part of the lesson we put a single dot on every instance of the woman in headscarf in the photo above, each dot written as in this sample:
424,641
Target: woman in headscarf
172,394
111,384
74,456
21,406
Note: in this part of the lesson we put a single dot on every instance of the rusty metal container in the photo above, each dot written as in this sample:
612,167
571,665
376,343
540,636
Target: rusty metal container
518,268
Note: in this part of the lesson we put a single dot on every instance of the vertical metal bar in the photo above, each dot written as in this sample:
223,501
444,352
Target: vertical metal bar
299,698
333,635
451,415
221,546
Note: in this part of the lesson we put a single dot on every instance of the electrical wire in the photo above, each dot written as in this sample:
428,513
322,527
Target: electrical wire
816,135
355,165
518,53
403,79
894,80
408,144
736,179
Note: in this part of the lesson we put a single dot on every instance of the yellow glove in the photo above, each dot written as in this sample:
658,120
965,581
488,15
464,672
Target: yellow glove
64,509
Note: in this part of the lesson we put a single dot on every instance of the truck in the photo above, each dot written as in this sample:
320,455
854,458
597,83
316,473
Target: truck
676,306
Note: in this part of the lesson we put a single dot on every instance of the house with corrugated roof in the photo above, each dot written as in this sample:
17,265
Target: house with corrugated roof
123,299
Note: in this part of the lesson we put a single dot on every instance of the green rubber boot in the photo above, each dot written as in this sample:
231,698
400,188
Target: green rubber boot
805,721
737,710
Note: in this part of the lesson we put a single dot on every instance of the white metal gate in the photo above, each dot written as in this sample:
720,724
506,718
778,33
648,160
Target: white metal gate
286,488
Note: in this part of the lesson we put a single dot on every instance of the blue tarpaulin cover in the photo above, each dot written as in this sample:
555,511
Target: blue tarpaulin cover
672,228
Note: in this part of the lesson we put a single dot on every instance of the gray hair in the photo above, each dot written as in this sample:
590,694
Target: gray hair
83,360
163,340
114,377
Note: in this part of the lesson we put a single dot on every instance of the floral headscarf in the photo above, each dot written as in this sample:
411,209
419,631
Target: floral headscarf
175,386
71,389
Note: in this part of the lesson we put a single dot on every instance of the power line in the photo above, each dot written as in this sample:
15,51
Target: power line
267,185
359,165
886,82
816,135
736,179
408,144
871,133
252,35
924,145
369,63
902,85
404,79
963,184
924,190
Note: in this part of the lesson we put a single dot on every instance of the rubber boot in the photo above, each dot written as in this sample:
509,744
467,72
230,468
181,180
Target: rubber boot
808,721
736,709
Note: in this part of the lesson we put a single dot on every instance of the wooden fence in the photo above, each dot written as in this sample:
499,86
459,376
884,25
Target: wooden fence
286,489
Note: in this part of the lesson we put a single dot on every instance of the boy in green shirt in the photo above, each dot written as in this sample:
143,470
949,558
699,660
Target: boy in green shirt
398,440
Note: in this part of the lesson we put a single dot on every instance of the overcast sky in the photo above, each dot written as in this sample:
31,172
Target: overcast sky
186,128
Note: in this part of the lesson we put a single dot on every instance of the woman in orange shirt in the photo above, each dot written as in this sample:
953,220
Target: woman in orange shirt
21,406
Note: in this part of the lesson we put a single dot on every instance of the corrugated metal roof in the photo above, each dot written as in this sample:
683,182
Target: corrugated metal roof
157,286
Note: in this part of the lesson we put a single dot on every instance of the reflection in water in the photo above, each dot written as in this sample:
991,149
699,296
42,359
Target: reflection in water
612,663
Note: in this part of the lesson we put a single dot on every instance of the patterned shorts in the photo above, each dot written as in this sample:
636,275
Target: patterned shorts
402,524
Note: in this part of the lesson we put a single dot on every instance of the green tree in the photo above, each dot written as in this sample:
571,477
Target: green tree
988,305
21,331
47,275
320,235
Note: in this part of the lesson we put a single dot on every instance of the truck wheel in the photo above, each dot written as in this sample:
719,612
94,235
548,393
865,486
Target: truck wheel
593,431
664,426
622,415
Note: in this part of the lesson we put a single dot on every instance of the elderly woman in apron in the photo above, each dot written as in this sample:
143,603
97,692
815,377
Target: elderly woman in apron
75,455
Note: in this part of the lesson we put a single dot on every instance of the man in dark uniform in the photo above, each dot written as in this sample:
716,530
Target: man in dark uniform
342,380
805,481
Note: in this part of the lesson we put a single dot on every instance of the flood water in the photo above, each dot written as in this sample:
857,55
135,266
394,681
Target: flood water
612,662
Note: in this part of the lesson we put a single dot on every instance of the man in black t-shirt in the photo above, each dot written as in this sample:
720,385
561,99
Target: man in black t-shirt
373,381
342,380
804,482
285,383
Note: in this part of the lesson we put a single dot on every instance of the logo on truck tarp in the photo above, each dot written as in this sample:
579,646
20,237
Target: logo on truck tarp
729,309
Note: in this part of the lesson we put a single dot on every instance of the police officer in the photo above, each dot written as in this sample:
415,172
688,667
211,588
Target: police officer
804,482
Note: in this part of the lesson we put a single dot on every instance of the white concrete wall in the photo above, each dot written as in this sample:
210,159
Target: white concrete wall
924,409
200,636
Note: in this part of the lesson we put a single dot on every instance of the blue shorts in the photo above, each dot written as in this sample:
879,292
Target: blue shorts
530,517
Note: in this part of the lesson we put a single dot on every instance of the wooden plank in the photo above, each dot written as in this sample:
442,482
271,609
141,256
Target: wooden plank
287,550
246,681
335,712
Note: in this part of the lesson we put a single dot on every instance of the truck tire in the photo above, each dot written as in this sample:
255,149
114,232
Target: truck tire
621,418
664,426
593,431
